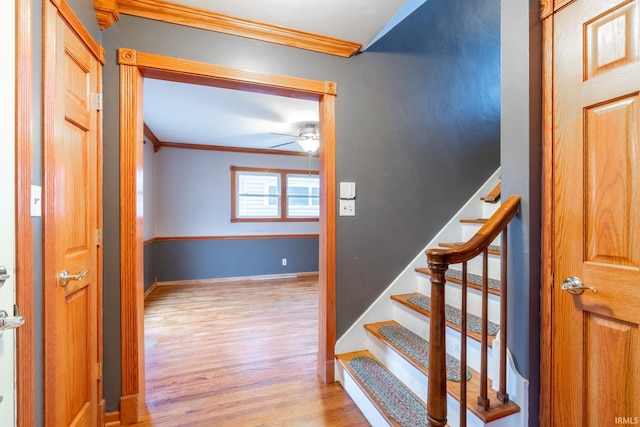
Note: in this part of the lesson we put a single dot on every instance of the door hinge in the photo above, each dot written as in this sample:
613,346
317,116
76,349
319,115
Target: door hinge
97,101
99,237
99,371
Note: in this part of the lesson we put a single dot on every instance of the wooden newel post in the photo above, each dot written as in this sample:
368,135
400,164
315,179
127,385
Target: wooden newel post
437,392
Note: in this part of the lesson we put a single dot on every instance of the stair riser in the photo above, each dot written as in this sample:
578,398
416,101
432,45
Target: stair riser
474,266
416,381
453,295
488,209
470,229
399,366
368,409
419,324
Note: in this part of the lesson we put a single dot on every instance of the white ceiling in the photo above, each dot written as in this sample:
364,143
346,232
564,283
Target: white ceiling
178,112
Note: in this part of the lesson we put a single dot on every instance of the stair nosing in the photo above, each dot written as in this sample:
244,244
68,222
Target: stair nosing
450,279
492,414
344,361
470,334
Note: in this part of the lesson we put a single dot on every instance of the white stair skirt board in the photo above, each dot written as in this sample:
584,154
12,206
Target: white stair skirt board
355,338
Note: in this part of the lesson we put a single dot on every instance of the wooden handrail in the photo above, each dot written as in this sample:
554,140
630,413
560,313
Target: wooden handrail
481,240
439,261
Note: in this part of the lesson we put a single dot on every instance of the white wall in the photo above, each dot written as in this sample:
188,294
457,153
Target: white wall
149,200
193,193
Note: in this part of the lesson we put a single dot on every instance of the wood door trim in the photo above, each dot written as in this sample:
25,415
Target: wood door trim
25,337
76,26
546,300
133,67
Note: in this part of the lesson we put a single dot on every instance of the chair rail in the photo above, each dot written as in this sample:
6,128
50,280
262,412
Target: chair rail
439,261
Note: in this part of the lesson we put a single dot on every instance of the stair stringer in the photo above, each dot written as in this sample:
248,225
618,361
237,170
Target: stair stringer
355,337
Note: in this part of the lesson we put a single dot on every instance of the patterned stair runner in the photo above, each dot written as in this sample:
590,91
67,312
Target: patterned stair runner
474,278
397,400
418,349
454,315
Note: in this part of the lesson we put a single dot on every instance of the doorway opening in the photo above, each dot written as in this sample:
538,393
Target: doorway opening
134,67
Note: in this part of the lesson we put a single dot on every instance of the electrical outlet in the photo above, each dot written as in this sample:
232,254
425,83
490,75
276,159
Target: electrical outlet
347,207
284,261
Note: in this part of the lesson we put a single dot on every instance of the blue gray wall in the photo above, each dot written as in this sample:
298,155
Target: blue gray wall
417,128
187,259
521,174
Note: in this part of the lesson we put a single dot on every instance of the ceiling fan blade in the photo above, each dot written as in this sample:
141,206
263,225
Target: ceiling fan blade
280,145
283,134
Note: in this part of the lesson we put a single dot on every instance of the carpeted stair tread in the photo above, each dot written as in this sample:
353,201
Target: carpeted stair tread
412,347
496,410
399,405
422,304
493,249
474,281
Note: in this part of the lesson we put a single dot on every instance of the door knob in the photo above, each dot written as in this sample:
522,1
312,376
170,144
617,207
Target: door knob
3,275
65,276
574,286
10,322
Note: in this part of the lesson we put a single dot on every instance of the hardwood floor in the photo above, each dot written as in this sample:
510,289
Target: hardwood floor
239,354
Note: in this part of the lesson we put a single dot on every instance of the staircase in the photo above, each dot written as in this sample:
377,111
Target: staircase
385,359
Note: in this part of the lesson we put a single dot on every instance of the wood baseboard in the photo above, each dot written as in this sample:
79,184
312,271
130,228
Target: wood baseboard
148,291
237,279
112,419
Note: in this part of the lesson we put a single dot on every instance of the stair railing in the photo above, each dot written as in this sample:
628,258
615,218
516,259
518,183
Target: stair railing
439,261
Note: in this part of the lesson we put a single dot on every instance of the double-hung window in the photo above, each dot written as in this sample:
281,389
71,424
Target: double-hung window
274,195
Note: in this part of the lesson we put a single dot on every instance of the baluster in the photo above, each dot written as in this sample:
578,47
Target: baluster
463,349
437,392
502,394
483,399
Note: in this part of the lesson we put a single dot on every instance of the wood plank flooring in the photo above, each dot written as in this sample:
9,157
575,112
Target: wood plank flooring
239,353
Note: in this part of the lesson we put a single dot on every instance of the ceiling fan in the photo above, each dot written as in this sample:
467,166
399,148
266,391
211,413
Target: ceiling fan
308,138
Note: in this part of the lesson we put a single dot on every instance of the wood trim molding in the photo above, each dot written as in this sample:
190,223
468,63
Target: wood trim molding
107,12
546,8
133,66
243,237
546,293
211,21
131,255
25,335
188,146
157,145
200,73
78,28
549,7
327,264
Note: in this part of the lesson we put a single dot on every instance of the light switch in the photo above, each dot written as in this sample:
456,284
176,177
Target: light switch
347,190
36,200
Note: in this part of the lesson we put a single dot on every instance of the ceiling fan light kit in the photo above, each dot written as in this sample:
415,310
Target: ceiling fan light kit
309,138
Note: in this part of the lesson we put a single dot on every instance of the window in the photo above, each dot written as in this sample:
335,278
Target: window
274,195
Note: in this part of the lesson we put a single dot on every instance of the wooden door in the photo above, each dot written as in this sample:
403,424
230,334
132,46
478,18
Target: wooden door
596,163
70,227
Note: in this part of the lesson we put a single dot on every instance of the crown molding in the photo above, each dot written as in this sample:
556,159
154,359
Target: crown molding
108,11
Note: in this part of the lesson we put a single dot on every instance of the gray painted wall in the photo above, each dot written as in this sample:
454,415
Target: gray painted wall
417,129
521,174
209,259
149,265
